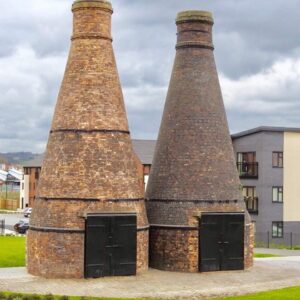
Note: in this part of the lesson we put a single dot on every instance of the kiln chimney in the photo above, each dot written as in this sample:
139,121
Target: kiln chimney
89,217
195,207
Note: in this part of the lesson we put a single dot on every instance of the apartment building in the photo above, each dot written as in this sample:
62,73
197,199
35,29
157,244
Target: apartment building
29,182
268,160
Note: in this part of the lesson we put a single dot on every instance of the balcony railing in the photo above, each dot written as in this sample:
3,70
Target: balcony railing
252,204
248,170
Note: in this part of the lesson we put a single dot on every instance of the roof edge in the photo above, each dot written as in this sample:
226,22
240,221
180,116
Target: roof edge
264,129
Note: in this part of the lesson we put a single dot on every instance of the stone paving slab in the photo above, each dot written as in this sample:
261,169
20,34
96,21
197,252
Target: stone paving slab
267,274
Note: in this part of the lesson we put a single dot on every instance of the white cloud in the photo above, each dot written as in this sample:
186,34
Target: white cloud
271,90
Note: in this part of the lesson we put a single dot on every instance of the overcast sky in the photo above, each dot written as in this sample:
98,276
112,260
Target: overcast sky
257,55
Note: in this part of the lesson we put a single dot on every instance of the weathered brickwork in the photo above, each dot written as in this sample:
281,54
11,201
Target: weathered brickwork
249,245
142,250
173,249
55,255
89,165
194,169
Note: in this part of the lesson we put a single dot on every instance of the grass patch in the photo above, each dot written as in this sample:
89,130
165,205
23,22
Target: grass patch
263,255
18,296
291,293
12,251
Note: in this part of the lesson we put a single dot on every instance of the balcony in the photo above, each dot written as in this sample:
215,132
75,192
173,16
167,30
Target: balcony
252,204
248,170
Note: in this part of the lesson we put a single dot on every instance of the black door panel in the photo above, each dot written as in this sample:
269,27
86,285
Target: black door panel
110,248
221,245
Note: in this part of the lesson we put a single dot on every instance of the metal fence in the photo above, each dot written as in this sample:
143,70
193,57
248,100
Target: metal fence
2,226
289,240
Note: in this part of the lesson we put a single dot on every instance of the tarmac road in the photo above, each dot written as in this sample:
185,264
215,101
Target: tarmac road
11,219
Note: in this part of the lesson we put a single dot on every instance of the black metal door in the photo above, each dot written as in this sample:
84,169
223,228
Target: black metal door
221,244
110,245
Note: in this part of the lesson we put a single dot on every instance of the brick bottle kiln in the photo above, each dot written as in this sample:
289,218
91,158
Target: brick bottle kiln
89,218
198,220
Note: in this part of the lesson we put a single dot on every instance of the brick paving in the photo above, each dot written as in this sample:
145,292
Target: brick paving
267,274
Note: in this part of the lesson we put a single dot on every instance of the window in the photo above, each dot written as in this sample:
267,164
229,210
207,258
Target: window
249,157
249,191
251,200
277,229
277,160
247,165
37,174
277,194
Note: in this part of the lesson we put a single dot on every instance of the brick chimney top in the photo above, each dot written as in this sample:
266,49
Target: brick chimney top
102,4
194,16
194,29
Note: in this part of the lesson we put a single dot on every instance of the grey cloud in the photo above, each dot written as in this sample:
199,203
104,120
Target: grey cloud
250,37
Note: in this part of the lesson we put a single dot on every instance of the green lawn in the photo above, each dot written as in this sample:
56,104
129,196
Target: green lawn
262,255
17,296
292,293
12,251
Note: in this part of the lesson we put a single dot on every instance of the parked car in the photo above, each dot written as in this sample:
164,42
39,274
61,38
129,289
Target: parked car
22,226
27,212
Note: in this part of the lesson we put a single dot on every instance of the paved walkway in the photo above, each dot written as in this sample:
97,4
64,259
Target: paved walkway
282,252
268,273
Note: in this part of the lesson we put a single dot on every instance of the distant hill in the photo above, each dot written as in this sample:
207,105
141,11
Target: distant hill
18,158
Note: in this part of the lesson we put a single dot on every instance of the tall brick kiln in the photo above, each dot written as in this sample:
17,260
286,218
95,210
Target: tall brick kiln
89,218
198,220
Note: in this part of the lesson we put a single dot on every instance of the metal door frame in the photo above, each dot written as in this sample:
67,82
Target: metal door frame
215,214
107,214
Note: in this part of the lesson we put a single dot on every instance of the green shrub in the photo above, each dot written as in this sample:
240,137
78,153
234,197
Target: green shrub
48,297
35,297
63,298
2,296
14,296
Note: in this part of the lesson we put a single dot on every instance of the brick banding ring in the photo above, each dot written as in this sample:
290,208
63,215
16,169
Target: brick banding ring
65,230
90,36
192,44
89,199
173,227
192,30
90,131
56,230
193,201
145,228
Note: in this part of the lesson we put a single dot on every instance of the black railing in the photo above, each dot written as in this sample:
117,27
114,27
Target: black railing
288,240
248,169
2,226
252,204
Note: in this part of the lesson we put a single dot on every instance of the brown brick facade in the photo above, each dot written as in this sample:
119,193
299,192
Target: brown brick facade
34,175
89,165
193,170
